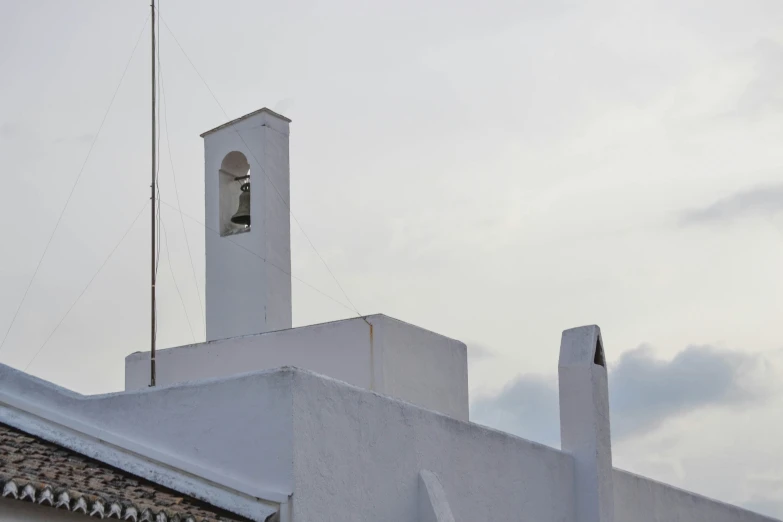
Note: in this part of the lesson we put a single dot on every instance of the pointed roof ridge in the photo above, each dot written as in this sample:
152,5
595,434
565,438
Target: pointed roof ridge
246,116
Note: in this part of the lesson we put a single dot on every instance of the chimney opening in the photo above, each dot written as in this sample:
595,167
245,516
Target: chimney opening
598,358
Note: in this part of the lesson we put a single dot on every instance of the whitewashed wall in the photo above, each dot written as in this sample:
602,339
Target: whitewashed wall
248,293
342,452
639,499
340,349
226,442
357,457
377,353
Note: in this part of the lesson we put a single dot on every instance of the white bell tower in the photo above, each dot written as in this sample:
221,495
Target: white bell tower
248,265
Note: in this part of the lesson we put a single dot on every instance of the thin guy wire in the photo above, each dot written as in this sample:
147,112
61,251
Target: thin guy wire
261,258
263,171
171,269
113,250
73,188
179,205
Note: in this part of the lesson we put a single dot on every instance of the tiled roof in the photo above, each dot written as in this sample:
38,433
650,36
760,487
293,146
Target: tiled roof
38,471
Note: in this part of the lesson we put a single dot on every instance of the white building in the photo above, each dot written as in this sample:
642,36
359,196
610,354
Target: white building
358,420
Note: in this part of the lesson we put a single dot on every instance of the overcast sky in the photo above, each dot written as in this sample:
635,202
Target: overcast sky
494,171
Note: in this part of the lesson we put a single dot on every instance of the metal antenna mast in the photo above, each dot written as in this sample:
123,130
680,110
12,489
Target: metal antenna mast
153,187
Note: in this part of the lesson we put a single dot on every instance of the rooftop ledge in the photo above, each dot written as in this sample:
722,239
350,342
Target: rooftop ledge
377,353
250,443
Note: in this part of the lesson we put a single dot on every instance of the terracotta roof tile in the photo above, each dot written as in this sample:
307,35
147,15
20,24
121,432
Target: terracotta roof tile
35,470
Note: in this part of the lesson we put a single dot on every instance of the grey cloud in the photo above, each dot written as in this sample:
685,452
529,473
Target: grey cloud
479,352
527,407
764,200
644,392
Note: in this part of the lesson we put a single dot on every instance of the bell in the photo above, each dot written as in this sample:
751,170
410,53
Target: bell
242,215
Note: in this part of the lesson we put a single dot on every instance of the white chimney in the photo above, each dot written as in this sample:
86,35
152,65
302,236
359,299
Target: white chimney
584,421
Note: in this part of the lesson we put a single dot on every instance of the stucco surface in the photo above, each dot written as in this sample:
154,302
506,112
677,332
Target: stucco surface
233,433
421,367
358,456
248,281
377,353
584,421
343,452
639,499
433,503
339,349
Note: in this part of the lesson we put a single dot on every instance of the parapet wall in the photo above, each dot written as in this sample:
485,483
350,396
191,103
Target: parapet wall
318,448
376,353
342,452
358,455
639,499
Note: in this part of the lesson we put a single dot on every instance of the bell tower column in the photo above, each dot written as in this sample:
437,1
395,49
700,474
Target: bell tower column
248,228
